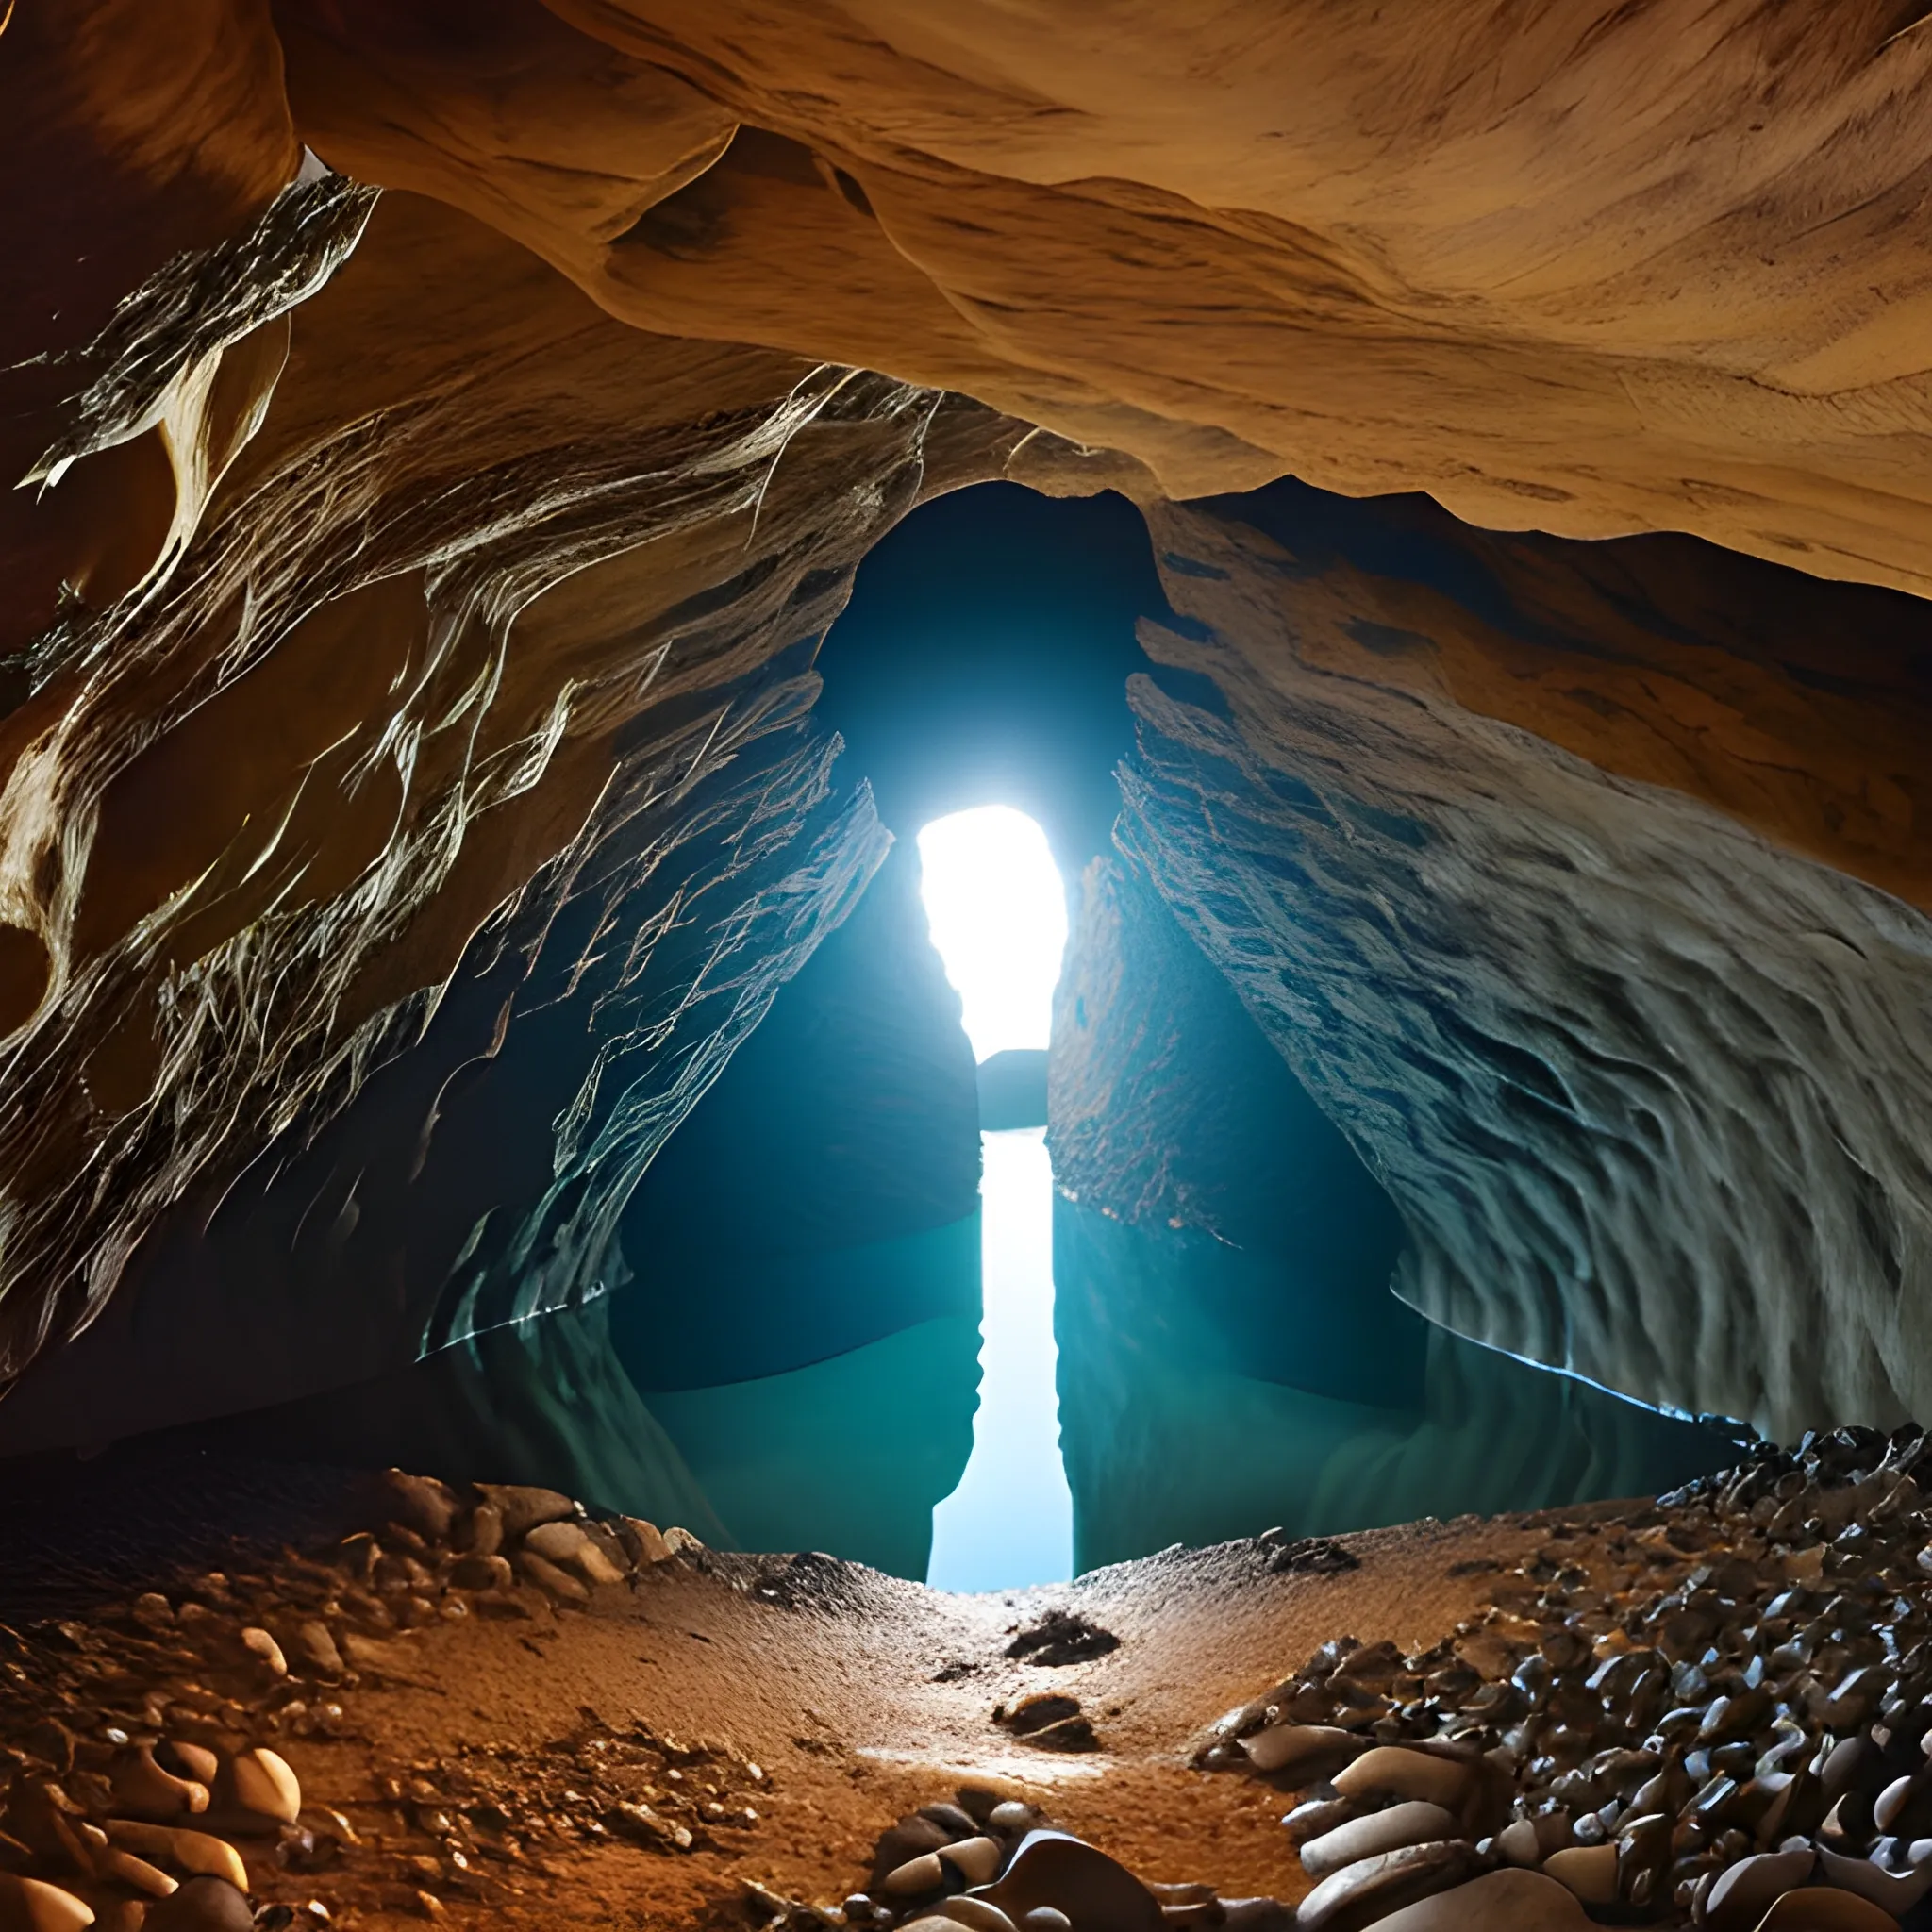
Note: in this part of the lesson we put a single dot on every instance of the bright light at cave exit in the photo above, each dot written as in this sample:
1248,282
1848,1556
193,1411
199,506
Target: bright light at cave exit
998,914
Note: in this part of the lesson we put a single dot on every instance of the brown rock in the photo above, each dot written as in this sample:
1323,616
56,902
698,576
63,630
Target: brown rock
549,1578
521,1508
1505,1901
1361,1893
567,1545
1302,1754
1411,1824
1051,1869
31,1905
262,1783
144,1789
1824,1908
202,1904
1389,1771
420,1503
315,1648
1588,1871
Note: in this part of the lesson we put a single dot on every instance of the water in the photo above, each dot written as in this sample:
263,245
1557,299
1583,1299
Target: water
1011,1522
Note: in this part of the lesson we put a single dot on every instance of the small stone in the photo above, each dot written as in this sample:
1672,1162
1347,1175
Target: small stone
31,1905
977,1860
1389,1771
198,1852
1010,1814
951,1819
316,1649
124,1868
486,1530
1743,1893
647,1540
143,1789
420,1503
1372,1887
1045,1919
266,1784
259,1643
548,1577
1410,1824
1052,1869
976,1915
1505,1900
681,1542
490,1572
1517,1843
202,1904
1588,1871
521,1508
196,1761
565,1544
1301,1754
915,1878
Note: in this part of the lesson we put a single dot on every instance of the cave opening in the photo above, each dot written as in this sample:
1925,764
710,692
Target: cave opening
997,911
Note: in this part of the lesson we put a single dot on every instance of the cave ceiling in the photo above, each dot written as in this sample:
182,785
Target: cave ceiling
444,430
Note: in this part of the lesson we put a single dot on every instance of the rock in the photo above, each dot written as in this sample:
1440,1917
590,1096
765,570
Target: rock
548,1577
604,1538
1588,1871
1010,1814
681,1542
1414,1823
490,1572
567,1545
977,1860
1518,1844
1317,1815
202,1904
1301,1754
198,1852
1825,1909
119,1867
420,1503
315,1649
1368,1891
1897,1891
914,1878
911,1838
953,1820
31,1905
1045,1919
143,1789
195,1761
1389,1771
264,1784
259,1643
485,1537
521,1508
648,1546
1061,1636
1745,1892
1505,1901
1096,1893
977,1914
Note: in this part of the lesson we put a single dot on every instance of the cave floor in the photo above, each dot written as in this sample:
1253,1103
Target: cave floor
862,1699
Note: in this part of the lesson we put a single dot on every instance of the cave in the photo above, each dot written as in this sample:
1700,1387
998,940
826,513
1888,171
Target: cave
965,967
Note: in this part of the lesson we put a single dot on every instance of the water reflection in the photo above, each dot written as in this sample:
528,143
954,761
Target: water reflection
1011,1522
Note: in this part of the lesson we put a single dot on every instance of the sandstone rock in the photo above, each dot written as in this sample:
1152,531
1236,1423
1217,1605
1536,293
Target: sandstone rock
420,1503
481,1572
196,1761
1300,1754
1045,1919
143,1789
1414,1823
1506,1901
521,1508
1824,1908
548,1577
316,1649
202,1904
263,1783
1371,1889
486,1530
976,1914
259,1643
649,1546
1588,1871
198,1852
953,1820
31,1905
1011,1814
1315,1816
567,1545
1389,1771
1052,1870
976,1859
911,1838
914,1878
1745,1892
121,1867
681,1542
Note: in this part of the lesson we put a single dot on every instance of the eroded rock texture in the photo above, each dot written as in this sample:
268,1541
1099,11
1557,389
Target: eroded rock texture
1643,1083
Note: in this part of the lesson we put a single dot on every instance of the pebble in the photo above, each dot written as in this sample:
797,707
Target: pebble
486,1530
652,1548
259,1644
1745,1892
1414,1822
1372,1887
124,1868
1389,1771
315,1645
1010,1814
976,1915
566,1544
1823,1908
1505,1900
915,1878
1302,1751
143,1789
951,1819
977,1860
1045,1919
1588,1871
198,1852
202,1904
521,1508
421,1503
31,1905
264,1784
549,1578
1096,1893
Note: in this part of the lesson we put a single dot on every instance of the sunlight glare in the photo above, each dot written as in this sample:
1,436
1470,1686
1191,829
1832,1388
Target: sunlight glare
998,914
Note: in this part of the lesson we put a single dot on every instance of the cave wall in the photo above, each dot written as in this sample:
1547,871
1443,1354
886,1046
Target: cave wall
1645,1085
399,581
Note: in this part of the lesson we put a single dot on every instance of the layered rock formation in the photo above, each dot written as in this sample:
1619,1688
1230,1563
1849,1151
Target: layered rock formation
412,602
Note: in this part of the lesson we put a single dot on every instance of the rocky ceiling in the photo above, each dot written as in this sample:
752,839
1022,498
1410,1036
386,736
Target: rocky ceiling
443,430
